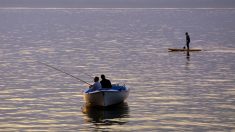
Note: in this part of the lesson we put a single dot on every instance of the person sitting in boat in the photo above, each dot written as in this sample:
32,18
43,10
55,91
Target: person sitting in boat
96,85
105,83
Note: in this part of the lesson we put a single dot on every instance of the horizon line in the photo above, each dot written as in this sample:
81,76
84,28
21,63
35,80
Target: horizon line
72,8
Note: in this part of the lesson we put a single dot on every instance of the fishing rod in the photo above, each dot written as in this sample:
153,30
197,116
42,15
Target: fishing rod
64,72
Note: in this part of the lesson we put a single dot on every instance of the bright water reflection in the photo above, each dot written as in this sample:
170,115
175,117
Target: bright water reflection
103,118
169,92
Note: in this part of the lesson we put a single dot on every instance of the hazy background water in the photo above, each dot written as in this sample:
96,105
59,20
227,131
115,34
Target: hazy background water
168,90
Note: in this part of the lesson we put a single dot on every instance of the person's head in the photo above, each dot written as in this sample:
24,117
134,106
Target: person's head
102,76
186,33
96,79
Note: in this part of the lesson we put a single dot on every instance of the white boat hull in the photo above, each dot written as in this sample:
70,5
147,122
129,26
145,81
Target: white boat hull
105,97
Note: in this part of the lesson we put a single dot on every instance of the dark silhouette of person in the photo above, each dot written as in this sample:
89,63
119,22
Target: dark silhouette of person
187,40
105,83
96,85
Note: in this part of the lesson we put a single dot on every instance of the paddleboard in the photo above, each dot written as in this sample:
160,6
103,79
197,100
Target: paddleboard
176,49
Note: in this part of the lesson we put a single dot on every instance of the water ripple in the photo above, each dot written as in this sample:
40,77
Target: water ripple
169,91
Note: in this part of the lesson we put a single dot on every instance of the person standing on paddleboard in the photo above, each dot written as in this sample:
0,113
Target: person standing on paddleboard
187,40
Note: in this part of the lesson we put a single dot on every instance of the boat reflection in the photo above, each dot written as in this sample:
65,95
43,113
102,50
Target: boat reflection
107,115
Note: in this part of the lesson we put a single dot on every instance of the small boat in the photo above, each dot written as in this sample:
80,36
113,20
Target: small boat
183,49
106,97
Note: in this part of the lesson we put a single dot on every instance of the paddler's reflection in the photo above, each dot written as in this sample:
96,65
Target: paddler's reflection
107,115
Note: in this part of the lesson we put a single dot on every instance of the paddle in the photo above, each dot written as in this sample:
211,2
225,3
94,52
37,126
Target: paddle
64,72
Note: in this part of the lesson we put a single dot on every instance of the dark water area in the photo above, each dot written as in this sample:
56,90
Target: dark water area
168,90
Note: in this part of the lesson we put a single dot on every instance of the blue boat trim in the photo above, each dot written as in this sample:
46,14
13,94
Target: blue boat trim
114,88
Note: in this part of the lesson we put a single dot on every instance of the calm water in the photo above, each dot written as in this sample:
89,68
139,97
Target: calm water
169,92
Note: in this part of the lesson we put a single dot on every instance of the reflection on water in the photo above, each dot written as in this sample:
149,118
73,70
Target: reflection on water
113,115
188,55
169,91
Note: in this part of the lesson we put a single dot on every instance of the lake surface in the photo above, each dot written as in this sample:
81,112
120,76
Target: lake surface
169,91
